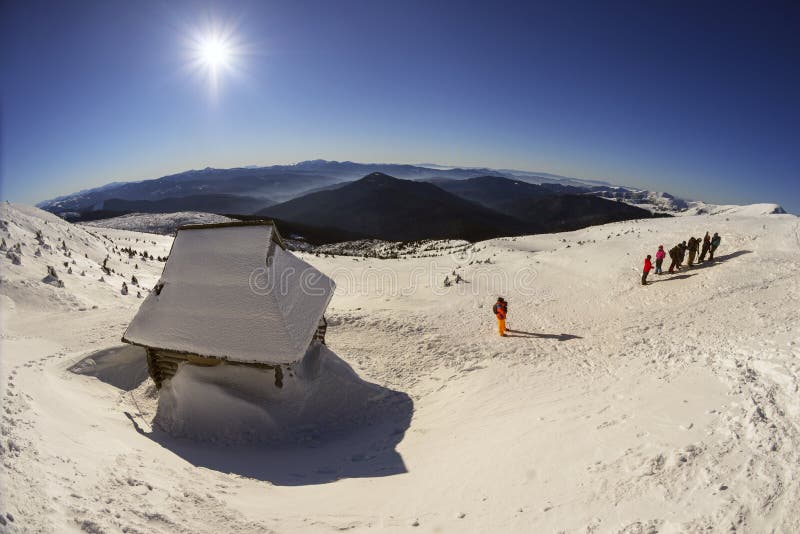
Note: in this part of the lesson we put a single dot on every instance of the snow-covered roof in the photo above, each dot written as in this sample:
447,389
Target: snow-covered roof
232,291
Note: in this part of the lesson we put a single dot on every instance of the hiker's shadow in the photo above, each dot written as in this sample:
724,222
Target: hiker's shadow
559,337
670,278
359,442
721,259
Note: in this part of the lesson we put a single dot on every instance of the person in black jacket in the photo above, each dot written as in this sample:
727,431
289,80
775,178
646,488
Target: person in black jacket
674,253
693,245
681,254
706,246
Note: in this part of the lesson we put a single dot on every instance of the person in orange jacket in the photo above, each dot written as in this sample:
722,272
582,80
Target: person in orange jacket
500,310
648,266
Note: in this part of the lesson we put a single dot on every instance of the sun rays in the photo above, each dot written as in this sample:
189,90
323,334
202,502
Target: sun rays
215,52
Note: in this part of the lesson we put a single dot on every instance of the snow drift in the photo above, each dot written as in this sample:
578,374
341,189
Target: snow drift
321,398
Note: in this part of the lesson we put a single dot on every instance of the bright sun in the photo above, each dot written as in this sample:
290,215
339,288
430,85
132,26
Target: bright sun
214,52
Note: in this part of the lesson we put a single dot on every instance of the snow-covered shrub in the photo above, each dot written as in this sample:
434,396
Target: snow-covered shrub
52,277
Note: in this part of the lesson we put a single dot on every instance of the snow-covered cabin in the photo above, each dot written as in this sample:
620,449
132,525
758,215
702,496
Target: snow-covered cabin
231,294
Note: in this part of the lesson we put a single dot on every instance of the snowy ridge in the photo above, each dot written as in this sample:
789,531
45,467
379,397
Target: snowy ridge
662,202
612,407
751,210
157,223
655,201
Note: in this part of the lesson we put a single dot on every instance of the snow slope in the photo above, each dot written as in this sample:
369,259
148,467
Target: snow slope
86,249
752,210
158,223
613,408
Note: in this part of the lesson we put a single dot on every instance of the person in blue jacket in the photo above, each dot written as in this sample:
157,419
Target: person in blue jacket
715,241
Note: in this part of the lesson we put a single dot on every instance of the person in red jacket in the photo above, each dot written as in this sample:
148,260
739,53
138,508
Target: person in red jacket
648,266
500,310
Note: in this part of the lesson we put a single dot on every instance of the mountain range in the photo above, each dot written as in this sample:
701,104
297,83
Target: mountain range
388,208
330,200
276,183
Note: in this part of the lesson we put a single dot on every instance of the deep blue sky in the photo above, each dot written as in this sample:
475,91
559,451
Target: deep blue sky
699,99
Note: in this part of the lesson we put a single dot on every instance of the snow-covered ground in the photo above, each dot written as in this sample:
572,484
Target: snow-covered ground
158,223
612,408
753,210
664,203
376,248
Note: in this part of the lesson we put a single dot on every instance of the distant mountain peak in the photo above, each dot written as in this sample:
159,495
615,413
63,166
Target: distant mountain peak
314,163
379,176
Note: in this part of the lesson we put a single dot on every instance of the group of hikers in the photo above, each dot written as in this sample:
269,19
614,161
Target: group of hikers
677,254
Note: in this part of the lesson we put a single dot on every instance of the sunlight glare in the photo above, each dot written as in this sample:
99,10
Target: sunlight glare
214,52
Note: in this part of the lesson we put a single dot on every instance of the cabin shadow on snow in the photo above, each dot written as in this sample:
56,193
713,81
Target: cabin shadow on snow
124,366
358,440
360,451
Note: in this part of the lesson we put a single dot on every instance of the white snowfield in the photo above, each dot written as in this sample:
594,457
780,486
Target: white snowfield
752,210
612,407
158,223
